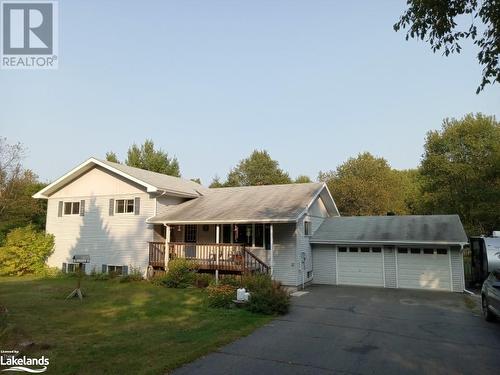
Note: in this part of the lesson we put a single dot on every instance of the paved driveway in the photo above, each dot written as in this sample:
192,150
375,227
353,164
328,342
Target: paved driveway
365,331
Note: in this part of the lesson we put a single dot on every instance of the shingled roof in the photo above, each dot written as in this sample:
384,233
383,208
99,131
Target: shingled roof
444,229
270,203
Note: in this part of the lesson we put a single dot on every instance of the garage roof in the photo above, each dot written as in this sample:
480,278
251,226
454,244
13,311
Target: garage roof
421,229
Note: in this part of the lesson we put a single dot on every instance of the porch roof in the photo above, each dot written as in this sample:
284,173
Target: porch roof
249,204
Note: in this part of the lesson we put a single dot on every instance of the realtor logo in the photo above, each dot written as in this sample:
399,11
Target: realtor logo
29,35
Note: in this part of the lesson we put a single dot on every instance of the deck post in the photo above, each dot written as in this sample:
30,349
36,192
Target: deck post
167,241
271,239
217,240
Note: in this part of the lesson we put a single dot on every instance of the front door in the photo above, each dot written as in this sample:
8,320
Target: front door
190,234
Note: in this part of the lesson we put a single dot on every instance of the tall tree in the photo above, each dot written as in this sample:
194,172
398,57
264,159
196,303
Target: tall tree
302,179
258,169
17,185
439,23
365,185
149,158
461,171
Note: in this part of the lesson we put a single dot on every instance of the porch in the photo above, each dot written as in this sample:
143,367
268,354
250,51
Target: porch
224,248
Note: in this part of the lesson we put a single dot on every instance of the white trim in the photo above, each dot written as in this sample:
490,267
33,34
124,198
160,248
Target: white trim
382,250
397,266
115,211
451,269
316,196
71,213
271,246
355,242
336,249
225,221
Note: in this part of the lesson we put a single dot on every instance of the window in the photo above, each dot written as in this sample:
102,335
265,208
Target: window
124,206
71,208
415,251
442,251
259,235
353,249
428,251
190,233
402,250
205,228
118,270
342,249
226,233
243,234
309,274
307,228
365,249
74,267
376,250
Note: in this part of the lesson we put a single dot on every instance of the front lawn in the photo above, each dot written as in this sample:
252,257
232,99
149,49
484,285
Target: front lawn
125,328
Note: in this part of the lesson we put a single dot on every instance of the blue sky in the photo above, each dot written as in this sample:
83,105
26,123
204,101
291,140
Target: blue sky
313,82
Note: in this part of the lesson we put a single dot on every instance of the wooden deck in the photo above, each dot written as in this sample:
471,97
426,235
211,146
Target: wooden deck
227,258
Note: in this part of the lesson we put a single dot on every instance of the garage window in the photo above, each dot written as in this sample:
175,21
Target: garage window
402,250
415,251
353,249
376,250
342,249
442,251
429,251
365,249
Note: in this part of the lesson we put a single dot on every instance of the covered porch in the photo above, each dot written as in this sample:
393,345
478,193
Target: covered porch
225,248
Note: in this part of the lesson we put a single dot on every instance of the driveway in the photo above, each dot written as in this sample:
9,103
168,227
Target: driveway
351,330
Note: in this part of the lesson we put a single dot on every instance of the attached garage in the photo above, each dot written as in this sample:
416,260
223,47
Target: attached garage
412,252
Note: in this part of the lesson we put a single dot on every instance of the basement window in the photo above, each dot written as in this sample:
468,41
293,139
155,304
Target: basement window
71,208
124,206
117,270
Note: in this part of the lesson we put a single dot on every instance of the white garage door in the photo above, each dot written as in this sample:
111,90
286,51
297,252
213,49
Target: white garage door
423,268
360,266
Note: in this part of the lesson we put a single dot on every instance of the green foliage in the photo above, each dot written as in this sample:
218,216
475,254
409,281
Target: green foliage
111,156
220,295
181,273
99,276
17,185
146,157
266,296
440,24
366,185
461,172
230,280
134,274
302,179
25,251
202,280
257,169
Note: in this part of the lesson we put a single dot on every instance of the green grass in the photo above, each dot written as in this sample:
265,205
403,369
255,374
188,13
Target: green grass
126,328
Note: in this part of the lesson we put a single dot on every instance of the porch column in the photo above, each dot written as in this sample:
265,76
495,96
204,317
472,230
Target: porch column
167,241
271,246
217,240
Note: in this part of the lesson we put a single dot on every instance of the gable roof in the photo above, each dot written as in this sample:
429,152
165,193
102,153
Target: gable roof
268,203
152,181
422,229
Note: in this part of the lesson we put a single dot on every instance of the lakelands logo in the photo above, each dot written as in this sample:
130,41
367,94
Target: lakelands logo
10,359
29,37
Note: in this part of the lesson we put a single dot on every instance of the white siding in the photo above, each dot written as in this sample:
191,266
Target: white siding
284,254
360,268
390,268
324,264
457,270
424,271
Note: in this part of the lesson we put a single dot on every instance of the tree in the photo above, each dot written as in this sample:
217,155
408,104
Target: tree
146,157
365,185
437,22
302,179
461,171
197,180
216,183
17,185
111,156
257,169
26,251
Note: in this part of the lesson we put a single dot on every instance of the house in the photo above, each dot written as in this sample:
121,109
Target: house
125,217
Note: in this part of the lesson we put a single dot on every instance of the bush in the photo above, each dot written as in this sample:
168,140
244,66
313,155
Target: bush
25,251
134,274
229,280
266,296
202,280
99,276
181,273
220,295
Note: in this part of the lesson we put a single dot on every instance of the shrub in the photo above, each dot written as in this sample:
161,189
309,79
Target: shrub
230,280
181,273
266,296
202,280
220,295
99,276
135,274
25,251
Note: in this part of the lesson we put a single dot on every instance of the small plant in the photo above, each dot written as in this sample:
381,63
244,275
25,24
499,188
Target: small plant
98,276
202,280
220,295
266,296
135,274
230,280
181,273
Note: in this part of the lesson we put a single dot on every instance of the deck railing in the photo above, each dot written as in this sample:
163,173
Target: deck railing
224,257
